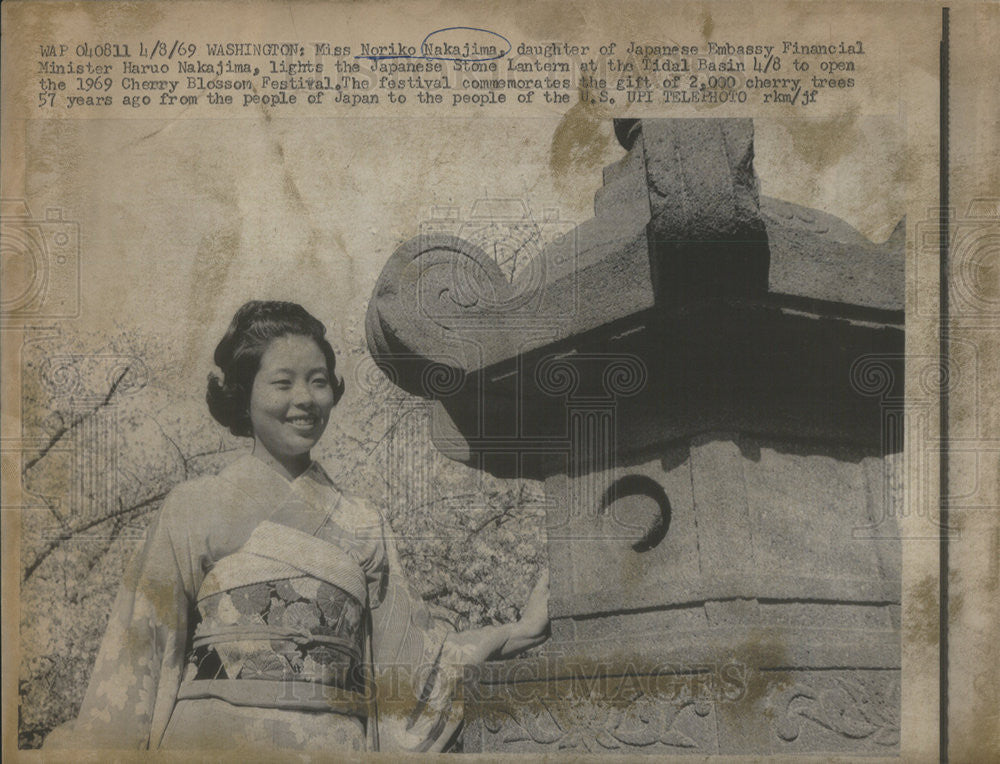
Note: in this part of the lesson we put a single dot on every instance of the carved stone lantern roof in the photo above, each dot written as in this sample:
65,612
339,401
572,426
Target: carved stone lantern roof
689,299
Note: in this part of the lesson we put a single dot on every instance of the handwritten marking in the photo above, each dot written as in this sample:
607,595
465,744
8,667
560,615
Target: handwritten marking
425,45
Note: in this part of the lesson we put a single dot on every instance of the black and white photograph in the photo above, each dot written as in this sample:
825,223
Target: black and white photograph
538,381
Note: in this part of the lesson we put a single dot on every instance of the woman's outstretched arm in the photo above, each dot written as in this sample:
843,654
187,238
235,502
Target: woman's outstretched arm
507,640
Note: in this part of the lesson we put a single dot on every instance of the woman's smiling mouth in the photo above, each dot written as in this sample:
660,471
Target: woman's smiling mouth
302,421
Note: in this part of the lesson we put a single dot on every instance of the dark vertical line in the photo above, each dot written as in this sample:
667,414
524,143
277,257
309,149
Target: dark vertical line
943,348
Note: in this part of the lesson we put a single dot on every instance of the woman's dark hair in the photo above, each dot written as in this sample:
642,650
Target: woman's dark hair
238,355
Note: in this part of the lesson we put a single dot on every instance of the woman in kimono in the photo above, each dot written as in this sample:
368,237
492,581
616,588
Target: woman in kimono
266,609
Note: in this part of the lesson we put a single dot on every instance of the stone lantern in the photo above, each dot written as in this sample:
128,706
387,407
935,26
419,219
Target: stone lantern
709,382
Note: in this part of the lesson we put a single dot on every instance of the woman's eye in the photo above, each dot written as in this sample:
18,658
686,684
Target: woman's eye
321,382
282,384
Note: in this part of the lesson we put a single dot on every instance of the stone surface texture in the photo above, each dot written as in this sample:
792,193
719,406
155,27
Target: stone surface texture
709,382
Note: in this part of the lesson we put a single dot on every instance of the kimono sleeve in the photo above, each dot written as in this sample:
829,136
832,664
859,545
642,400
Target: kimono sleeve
139,665
417,668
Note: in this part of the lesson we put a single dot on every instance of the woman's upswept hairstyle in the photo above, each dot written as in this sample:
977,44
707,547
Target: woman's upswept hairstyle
238,355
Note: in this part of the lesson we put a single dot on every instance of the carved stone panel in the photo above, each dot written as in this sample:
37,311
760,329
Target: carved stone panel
609,713
837,711
702,522
715,709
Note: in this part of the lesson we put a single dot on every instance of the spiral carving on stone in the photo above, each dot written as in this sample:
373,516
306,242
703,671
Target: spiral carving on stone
433,286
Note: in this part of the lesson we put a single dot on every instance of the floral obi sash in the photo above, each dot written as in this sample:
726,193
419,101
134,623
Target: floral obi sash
282,625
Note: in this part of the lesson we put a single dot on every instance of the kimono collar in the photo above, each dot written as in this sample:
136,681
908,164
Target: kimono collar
311,493
248,468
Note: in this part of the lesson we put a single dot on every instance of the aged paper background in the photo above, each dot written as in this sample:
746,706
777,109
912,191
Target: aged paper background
186,212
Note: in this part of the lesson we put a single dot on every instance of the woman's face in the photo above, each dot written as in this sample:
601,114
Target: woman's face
291,398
